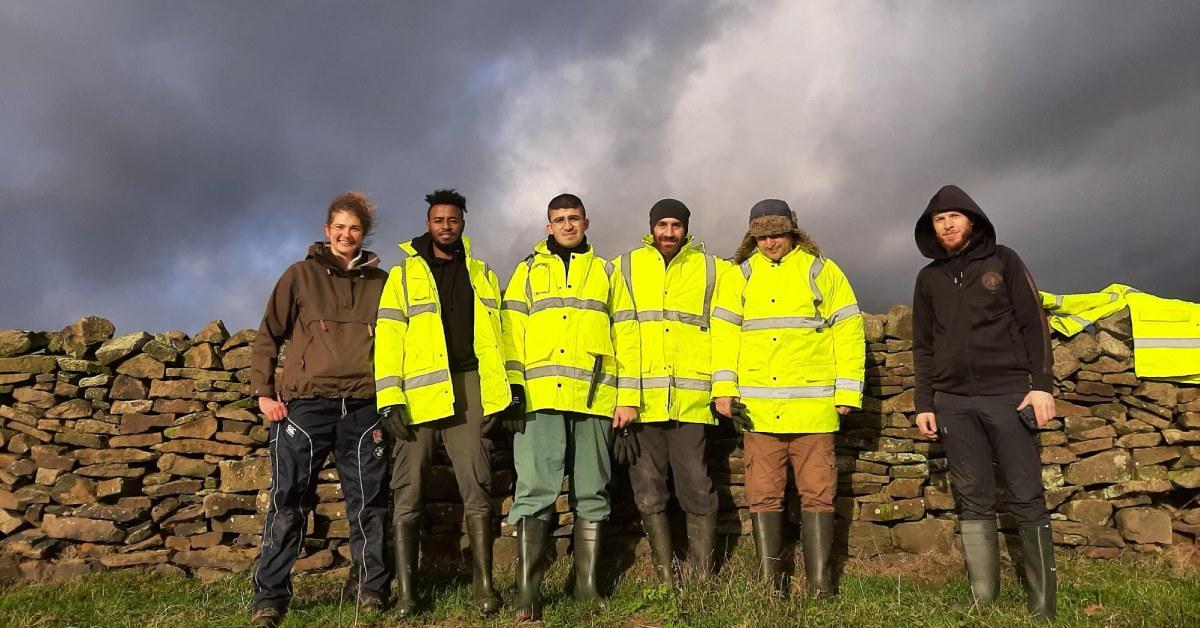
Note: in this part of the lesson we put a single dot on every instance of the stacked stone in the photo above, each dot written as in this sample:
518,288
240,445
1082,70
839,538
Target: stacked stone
146,449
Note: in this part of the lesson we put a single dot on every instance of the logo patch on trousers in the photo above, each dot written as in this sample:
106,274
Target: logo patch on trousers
290,430
377,436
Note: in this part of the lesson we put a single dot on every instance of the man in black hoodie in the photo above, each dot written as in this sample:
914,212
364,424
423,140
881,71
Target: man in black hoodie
982,350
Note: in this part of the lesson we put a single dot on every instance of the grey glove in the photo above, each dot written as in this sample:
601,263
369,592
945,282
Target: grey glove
626,448
395,422
737,416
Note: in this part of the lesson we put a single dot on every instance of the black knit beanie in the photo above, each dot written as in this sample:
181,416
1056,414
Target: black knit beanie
669,208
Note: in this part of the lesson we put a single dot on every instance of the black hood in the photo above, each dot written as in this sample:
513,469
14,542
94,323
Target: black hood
953,198
424,244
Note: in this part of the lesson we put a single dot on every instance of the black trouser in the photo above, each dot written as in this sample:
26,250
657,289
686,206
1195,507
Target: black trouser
299,445
677,447
467,446
977,430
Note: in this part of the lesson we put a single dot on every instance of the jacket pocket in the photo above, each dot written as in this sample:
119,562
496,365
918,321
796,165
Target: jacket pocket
1164,315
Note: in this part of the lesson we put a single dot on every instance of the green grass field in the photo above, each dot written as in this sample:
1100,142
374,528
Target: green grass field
1142,591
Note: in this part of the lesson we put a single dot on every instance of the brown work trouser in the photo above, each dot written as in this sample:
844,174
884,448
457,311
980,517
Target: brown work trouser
813,463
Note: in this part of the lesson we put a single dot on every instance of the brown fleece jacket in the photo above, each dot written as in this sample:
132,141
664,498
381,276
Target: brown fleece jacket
326,315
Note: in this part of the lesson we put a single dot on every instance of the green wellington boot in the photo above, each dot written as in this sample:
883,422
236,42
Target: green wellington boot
405,548
658,532
702,544
1041,578
532,534
982,553
817,535
768,544
586,548
479,533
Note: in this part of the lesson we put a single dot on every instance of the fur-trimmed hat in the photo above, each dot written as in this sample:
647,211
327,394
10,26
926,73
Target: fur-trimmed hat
772,217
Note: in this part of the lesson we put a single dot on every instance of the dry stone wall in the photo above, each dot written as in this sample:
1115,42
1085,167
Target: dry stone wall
145,450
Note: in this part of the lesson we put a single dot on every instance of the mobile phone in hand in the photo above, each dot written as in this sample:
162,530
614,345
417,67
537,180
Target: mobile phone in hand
1029,418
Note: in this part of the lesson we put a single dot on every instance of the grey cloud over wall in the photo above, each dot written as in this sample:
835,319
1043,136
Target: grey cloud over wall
163,162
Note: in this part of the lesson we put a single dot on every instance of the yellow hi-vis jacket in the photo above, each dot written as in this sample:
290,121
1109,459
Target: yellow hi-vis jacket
412,366
556,325
1069,314
1166,337
674,310
788,339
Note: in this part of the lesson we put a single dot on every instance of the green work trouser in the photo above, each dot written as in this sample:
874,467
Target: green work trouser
556,443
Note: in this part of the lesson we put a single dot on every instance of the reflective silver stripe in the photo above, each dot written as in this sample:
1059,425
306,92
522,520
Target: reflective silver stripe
513,365
724,376
608,267
623,316
386,382
710,284
845,383
787,392
727,316
425,308
655,382
1058,301
1166,343
1079,319
629,382
814,270
570,372
513,305
1112,296
745,266
783,322
428,379
393,314
528,287
687,383
627,273
673,315
488,302
698,320
571,302
844,313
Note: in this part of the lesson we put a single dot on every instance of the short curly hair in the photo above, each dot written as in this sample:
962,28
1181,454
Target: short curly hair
446,197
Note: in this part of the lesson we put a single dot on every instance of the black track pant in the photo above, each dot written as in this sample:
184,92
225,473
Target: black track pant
299,445
977,430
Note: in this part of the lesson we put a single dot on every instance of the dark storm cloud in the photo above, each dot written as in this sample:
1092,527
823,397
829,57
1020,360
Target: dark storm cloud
163,162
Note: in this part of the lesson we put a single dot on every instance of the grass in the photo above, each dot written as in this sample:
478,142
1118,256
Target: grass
912,591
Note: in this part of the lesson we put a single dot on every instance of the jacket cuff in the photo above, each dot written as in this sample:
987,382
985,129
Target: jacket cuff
725,389
263,391
847,398
1044,383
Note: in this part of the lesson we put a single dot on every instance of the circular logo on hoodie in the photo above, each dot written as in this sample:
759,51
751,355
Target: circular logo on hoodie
992,280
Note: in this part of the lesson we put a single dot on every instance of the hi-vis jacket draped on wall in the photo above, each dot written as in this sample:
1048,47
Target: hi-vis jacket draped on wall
674,304
554,332
788,339
411,363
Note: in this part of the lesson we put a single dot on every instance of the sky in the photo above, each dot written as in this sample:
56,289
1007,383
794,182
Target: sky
162,163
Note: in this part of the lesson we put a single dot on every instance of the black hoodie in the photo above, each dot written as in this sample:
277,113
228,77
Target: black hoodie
978,323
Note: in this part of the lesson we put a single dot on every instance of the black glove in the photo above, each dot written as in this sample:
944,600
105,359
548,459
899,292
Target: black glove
394,421
626,448
738,417
514,415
